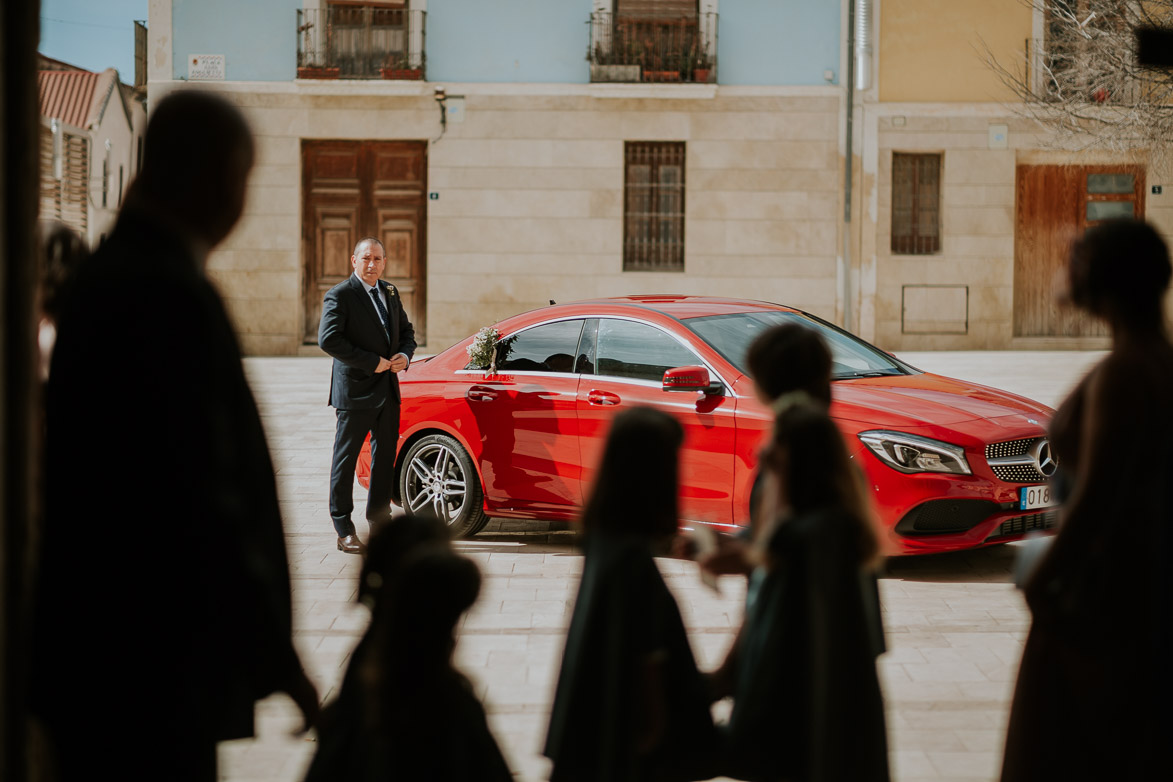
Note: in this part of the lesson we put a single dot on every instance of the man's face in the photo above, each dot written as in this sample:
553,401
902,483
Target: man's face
369,262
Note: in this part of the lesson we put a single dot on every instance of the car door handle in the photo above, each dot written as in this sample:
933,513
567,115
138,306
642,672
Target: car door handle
602,398
480,394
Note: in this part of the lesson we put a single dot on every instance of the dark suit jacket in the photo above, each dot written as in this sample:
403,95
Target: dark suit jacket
350,331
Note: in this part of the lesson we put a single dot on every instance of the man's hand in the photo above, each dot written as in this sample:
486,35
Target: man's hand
398,362
384,365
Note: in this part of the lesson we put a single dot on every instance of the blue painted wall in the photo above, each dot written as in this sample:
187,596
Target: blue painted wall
258,38
780,42
508,40
789,42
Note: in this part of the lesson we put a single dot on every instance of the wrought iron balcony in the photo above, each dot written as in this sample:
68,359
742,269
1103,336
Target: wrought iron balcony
360,42
665,48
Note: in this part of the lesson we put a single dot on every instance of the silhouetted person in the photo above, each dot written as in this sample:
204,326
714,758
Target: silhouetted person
788,362
630,703
164,601
409,714
341,748
807,705
1093,696
63,251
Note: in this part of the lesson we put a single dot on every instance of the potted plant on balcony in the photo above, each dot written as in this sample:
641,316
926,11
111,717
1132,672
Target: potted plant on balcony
314,71
395,66
664,67
701,65
616,65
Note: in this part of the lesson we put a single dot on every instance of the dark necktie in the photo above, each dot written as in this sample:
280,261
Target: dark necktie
382,310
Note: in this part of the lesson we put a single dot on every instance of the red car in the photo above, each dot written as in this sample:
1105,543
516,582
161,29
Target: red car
951,464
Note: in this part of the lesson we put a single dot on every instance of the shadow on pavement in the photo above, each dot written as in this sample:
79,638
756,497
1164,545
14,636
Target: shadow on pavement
994,564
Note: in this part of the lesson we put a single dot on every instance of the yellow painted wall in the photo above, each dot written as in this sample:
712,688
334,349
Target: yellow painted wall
931,50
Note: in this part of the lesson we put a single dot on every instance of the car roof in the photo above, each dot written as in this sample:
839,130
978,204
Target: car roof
683,307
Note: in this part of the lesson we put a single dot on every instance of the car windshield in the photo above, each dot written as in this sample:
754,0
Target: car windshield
731,335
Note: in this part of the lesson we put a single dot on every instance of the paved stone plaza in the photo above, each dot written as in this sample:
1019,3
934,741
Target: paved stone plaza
955,624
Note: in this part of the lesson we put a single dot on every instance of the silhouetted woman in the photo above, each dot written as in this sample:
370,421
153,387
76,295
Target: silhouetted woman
1093,697
807,705
630,704
404,711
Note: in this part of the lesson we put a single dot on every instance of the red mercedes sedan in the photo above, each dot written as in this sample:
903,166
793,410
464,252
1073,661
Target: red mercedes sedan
951,464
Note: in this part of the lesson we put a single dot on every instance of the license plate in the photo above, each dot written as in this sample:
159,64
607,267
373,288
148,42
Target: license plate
1031,497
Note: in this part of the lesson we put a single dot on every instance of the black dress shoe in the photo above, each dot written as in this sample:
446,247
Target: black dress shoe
351,545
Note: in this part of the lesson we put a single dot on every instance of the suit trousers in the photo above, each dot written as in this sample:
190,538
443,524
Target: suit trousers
353,425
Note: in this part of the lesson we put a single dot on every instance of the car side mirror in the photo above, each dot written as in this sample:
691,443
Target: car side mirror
693,378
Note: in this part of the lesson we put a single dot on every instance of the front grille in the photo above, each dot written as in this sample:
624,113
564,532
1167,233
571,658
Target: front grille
1018,473
1020,525
940,516
1019,466
1009,448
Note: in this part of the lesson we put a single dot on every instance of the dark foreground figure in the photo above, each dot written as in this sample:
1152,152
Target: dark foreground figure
404,712
630,705
807,705
1094,694
163,610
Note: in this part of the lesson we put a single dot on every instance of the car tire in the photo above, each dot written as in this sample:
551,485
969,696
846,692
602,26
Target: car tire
438,477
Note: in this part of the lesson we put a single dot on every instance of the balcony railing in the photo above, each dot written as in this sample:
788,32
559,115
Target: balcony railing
1067,72
360,42
655,49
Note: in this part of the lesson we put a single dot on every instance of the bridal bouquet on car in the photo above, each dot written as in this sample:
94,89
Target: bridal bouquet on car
486,349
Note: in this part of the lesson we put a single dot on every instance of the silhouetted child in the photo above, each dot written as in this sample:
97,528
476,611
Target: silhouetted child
1094,688
630,703
806,699
404,711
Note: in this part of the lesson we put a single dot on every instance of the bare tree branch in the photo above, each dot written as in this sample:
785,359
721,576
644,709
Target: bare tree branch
1082,81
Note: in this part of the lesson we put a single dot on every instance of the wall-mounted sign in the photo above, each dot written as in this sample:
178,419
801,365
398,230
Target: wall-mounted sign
999,137
205,67
433,196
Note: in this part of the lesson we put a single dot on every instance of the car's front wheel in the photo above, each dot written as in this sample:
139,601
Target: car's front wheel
439,477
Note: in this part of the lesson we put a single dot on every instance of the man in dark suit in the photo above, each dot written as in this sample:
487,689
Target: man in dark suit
367,332
163,609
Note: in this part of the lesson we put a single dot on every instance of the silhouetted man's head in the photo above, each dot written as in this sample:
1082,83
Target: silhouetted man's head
197,155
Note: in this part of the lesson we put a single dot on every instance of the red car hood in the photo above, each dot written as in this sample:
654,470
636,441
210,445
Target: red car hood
908,401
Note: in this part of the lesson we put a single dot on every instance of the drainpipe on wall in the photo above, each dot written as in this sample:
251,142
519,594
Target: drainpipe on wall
859,71
845,272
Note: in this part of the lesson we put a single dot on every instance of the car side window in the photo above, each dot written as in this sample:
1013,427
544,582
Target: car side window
550,347
585,363
636,350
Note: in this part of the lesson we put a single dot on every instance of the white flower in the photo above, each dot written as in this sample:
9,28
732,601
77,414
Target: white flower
480,350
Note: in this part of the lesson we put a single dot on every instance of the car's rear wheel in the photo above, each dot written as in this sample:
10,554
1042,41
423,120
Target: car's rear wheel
438,477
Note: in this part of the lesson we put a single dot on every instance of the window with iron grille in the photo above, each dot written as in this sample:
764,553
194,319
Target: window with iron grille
916,204
653,211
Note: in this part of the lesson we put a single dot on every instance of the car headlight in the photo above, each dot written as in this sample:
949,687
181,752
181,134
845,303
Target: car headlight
909,453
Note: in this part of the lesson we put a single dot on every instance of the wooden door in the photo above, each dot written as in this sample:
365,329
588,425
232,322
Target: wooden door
354,189
1055,205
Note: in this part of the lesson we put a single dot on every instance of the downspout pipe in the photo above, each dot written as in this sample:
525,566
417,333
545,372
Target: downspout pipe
845,284
859,73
